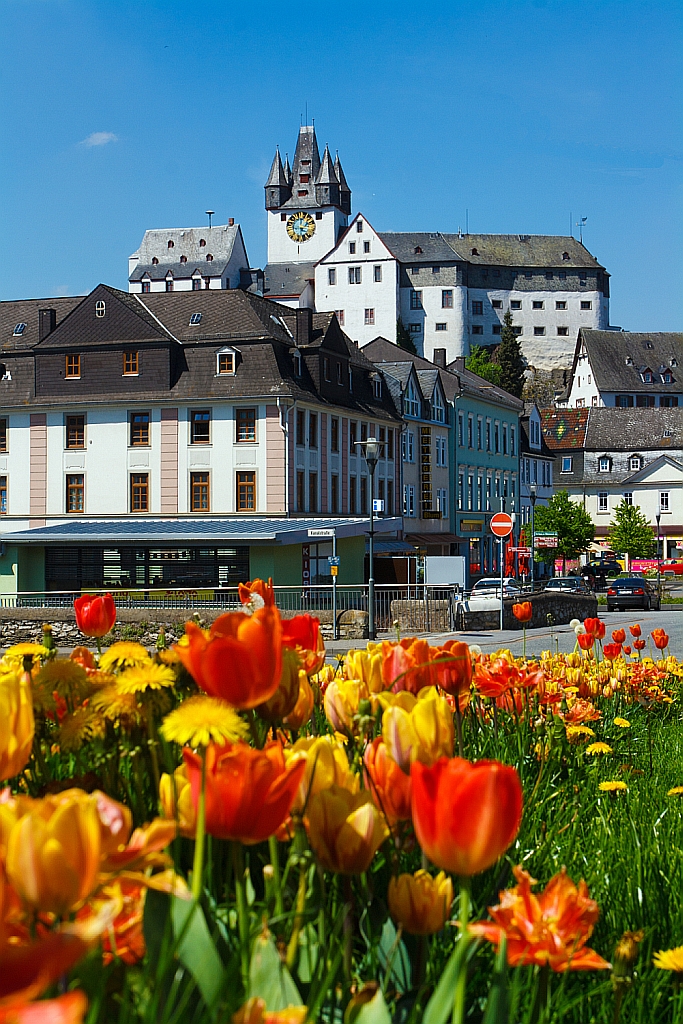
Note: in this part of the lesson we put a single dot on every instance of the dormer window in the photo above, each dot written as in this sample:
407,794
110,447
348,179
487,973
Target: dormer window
667,378
171,244
438,409
475,252
196,318
297,363
628,361
377,387
202,243
19,330
673,361
417,250
100,308
634,463
183,259
646,377
225,362
605,464
565,255
155,261
412,400
209,257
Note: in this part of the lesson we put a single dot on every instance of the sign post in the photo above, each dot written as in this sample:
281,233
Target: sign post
326,532
501,527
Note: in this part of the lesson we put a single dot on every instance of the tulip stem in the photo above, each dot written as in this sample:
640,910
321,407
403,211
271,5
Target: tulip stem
152,744
458,725
348,928
463,945
539,1010
524,640
242,911
277,880
293,944
198,864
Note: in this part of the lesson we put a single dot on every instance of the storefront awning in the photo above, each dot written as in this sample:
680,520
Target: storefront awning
428,539
392,547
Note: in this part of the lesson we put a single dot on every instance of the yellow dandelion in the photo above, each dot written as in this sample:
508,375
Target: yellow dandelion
612,787
579,732
676,791
17,653
65,676
168,657
599,748
124,654
116,706
145,677
623,723
83,725
200,720
669,960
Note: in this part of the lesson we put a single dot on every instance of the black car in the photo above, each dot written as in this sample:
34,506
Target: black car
568,585
632,592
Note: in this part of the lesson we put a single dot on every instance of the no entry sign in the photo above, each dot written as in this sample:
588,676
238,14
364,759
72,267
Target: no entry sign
501,524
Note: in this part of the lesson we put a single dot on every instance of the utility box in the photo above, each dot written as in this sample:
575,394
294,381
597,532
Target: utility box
445,571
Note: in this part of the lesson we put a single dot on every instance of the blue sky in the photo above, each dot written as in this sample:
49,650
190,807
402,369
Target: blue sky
120,116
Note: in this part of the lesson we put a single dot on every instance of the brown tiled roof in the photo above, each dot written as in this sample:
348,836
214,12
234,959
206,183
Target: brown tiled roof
564,428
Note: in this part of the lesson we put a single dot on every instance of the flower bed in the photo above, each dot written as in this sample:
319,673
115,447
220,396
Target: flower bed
233,830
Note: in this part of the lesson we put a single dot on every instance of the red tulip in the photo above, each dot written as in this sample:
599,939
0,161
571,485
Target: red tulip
465,815
302,633
627,650
259,589
249,792
407,665
523,612
585,641
618,635
240,660
639,644
453,667
95,616
635,630
611,651
595,627
391,788
661,640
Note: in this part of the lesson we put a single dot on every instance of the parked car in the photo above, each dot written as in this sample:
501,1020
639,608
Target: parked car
568,585
632,592
511,587
605,566
674,565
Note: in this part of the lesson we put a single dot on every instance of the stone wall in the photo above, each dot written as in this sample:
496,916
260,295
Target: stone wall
562,607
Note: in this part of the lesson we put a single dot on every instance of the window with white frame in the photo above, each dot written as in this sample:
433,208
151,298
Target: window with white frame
225,361
369,318
355,275
634,463
603,501
377,273
513,440
442,502
488,435
461,429
628,497
412,400
461,490
408,500
440,451
408,446
480,430
332,275
488,493
566,463
377,387
605,463
480,493
438,409
664,501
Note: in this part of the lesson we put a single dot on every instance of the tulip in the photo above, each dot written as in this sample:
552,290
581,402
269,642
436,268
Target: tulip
249,792
627,649
175,796
523,611
391,788
257,594
611,651
635,630
53,854
407,665
302,634
326,764
124,937
465,815
345,830
660,638
639,644
143,847
254,1012
16,715
305,702
585,641
550,928
595,627
618,635
95,616
501,675
420,903
342,702
67,1009
287,693
423,733
240,660
26,970
366,665
453,667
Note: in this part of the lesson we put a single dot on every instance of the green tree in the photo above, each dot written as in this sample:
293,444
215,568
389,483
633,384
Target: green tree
403,339
479,361
569,520
510,359
630,531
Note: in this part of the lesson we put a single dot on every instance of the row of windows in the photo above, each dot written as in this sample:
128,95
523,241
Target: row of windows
410,508
358,493
644,401
446,298
533,471
355,273
490,436
481,493
627,496
357,431
139,492
409,449
225,361
635,463
560,304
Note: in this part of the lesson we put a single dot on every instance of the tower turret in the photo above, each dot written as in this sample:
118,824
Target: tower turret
344,190
278,188
327,183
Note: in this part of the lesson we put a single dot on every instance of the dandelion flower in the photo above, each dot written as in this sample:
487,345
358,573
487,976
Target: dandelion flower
579,629
579,732
168,656
117,706
17,652
669,959
82,726
623,723
612,787
201,719
64,676
599,748
676,791
145,677
124,654
574,623
475,650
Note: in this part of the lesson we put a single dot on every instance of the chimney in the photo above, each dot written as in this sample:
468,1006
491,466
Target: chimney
439,357
304,326
47,321
231,222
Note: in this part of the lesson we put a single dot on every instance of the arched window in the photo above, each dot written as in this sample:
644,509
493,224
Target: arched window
170,243
202,243
209,257
100,308
155,261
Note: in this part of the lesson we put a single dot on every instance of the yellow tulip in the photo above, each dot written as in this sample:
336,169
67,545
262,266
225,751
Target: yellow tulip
53,853
366,665
342,701
422,733
326,765
420,903
345,830
305,702
175,797
16,715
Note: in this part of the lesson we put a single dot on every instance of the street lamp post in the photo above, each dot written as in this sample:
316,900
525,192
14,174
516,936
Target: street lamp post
371,452
532,499
658,517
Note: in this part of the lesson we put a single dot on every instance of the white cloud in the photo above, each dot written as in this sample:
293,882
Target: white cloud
99,139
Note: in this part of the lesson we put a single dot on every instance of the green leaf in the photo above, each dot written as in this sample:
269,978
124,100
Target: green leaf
374,1012
155,922
400,961
440,1006
196,950
498,1003
269,977
308,954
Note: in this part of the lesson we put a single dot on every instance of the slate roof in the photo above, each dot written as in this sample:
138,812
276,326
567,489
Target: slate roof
25,311
522,250
287,279
564,429
608,352
615,429
435,249
220,240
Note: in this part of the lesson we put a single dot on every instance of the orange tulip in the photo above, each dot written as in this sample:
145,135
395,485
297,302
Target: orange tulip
453,667
595,627
257,593
345,830
27,970
408,665
249,792
391,788
618,635
66,1009
240,660
465,815
611,651
523,611
660,638
497,677
549,928
303,709
627,649
585,641
635,630
95,616
639,644
287,693
124,938
302,634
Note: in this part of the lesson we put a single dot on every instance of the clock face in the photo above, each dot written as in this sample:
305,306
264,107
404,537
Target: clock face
300,226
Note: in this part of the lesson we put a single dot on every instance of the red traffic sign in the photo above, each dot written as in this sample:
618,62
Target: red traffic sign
521,551
501,524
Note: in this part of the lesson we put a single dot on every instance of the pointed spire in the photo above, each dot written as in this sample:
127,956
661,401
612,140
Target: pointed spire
327,175
277,174
306,155
288,170
340,174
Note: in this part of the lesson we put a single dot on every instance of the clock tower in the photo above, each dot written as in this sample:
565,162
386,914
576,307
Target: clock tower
308,207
